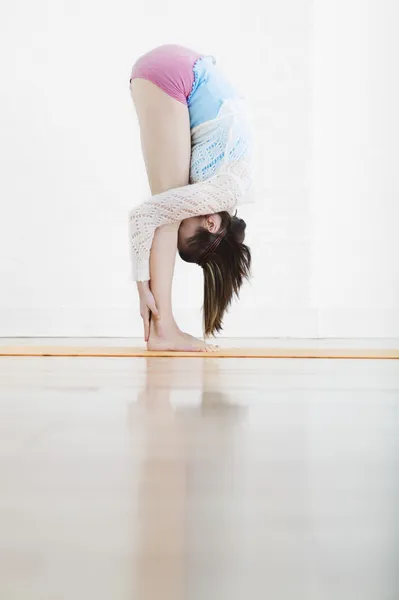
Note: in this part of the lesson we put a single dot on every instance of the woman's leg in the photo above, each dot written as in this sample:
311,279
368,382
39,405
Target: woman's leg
166,145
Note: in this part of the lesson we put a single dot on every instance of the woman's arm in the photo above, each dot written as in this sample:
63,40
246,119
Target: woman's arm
219,193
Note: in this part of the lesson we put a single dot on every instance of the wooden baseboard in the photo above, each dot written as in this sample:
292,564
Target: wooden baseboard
374,353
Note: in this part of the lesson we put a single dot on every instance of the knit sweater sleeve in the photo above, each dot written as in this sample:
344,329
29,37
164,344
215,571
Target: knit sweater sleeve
219,193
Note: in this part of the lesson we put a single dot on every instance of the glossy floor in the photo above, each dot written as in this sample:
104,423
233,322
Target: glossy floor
193,479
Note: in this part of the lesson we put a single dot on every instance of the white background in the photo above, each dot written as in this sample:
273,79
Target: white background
322,79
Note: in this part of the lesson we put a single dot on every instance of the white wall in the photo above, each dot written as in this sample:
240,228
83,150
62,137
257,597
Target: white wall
355,185
72,168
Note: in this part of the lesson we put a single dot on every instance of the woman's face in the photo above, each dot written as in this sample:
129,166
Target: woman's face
188,227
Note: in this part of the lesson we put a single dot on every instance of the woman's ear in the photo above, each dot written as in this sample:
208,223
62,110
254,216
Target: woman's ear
213,223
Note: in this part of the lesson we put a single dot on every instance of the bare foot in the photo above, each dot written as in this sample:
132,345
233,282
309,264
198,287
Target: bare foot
196,342
192,339
172,339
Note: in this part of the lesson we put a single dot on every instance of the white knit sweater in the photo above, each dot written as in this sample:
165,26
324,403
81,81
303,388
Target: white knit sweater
220,176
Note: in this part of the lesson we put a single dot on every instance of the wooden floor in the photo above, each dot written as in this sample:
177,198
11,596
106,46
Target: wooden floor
175,479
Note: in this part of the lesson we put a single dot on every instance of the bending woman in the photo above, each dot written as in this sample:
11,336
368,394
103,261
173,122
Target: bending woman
196,148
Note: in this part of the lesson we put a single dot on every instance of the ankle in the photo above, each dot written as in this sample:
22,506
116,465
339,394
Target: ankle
163,327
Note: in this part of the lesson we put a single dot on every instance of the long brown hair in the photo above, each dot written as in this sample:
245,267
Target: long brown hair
226,262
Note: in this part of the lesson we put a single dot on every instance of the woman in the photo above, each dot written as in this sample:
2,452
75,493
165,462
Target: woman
195,143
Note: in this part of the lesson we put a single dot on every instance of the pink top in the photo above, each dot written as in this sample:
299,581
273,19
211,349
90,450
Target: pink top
170,68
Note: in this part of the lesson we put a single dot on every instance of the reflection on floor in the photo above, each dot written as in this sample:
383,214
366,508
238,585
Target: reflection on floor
193,479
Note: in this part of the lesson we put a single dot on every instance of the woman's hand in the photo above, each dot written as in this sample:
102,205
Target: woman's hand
147,306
